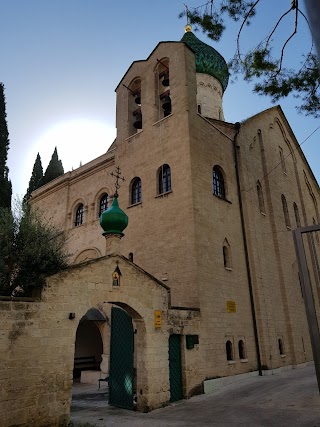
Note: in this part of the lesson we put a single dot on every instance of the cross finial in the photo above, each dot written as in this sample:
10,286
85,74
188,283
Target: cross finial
187,13
117,175
188,26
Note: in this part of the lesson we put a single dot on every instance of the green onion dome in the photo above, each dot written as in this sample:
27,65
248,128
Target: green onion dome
208,60
113,220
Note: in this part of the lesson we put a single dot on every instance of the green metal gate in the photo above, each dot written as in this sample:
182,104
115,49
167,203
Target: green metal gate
175,372
121,360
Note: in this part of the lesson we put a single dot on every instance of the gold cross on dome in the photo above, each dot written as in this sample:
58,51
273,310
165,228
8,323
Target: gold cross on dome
117,175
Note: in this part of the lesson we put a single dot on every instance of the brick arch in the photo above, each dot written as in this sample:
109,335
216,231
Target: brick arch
87,254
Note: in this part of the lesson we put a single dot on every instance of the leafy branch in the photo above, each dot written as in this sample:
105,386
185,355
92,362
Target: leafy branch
276,81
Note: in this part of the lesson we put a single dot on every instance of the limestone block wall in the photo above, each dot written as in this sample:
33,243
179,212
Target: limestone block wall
58,201
278,297
217,223
160,231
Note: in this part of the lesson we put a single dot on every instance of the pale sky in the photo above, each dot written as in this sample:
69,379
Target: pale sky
62,59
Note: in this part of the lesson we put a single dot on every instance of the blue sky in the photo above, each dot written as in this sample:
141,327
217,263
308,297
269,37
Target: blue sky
61,61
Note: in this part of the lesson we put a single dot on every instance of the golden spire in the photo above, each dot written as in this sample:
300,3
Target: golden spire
188,27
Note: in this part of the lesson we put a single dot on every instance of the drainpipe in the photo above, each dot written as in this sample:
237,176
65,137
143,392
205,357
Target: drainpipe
246,252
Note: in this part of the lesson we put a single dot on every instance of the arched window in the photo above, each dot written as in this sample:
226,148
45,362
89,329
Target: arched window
260,198
242,354
79,215
130,256
229,350
103,204
296,214
280,344
199,108
164,179
163,73
136,191
282,160
218,183
134,106
226,252
285,211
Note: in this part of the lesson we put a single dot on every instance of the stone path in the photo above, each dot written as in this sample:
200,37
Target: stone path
287,399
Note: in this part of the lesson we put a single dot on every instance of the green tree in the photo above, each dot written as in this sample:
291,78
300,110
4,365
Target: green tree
5,183
36,178
261,62
30,250
54,168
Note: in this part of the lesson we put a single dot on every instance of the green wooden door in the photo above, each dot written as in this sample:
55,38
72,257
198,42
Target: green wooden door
175,371
121,360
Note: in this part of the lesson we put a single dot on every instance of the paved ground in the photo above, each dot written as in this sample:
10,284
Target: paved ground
287,399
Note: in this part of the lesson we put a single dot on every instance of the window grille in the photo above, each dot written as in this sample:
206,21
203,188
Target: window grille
164,179
79,215
218,183
136,191
103,204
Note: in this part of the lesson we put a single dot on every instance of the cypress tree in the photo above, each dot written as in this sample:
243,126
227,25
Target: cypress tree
54,168
5,183
36,177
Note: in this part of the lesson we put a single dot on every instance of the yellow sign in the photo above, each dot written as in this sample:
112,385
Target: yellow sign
231,307
157,319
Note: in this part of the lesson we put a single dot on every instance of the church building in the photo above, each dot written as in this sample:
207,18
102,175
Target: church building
196,277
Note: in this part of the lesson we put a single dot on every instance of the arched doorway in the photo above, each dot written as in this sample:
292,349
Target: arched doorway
88,347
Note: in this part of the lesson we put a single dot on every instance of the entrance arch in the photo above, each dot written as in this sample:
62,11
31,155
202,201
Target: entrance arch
88,346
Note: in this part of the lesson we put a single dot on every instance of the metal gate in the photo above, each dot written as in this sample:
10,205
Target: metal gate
176,392
121,360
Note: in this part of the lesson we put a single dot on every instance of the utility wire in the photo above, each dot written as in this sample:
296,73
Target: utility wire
290,154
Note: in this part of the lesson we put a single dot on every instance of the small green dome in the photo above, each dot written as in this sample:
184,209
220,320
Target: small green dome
208,60
113,220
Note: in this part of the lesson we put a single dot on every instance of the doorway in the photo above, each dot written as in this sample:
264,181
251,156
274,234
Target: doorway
175,368
121,373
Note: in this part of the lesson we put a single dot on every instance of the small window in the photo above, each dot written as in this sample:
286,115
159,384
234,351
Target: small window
229,350
103,204
131,256
260,198
136,191
283,163
164,179
280,344
218,183
242,354
226,257
79,215
285,211
199,109
296,214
